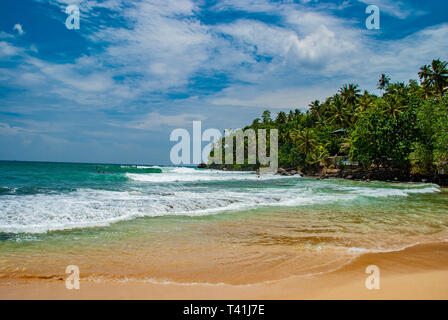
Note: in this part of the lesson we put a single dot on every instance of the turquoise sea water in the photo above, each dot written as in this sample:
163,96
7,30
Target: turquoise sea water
179,223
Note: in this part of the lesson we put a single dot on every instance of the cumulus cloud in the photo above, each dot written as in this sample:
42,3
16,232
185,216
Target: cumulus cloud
154,65
159,47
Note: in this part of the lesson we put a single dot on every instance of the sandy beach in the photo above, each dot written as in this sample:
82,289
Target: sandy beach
419,272
183,233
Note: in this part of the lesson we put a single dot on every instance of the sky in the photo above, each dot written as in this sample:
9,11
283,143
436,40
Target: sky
113,90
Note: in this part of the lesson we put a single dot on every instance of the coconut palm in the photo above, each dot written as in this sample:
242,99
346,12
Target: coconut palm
266,116
305,140
340,115
428,91
319,156
316,110
395,105
383,82
255,123
365,102
398,88
435,76
281,118
350,94
290,116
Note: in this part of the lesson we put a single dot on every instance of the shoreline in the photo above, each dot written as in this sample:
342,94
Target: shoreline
358,174
380,175
417,272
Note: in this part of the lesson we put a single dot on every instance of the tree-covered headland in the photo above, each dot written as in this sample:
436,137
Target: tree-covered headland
404,128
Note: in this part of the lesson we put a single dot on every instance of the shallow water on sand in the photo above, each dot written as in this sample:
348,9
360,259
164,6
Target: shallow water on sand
188,225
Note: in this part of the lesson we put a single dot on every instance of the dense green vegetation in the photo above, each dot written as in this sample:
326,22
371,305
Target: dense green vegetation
406,127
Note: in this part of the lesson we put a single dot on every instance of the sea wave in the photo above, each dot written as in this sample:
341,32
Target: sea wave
125,168
86,207
90,208
189,176
394,192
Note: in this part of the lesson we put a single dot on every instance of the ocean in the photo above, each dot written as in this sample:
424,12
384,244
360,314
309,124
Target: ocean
188,225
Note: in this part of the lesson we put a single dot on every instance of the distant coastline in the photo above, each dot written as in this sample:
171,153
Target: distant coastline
400,135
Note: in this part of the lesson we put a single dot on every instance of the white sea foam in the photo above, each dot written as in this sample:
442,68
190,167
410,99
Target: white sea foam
198,176
86,207
393,192
148,167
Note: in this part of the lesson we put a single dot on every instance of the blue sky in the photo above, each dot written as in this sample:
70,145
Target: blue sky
113,90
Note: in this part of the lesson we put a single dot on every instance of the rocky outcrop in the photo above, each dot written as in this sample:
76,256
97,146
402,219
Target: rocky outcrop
288,172
381,175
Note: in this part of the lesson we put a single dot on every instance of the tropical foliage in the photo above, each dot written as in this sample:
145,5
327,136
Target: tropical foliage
405,127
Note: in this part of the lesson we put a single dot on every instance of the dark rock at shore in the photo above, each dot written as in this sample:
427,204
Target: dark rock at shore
381,175
202,166
286,172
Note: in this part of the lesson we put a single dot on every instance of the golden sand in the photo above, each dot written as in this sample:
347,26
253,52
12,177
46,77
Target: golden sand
419,272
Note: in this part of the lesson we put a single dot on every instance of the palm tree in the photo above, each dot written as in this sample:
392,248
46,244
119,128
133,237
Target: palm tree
398,88
320,156
383,82
428,91
364,103
394,109
266,116
305,140
255,123
315,108
340,116
435,76
290,116
281,118
425,78
425,72
325,109
350,94
395,99
395,104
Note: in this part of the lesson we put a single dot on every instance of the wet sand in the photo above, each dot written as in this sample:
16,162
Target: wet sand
419,272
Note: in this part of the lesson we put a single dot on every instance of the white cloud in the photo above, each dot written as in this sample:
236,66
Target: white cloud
7,49
18,28
5,35
162,45
34,49
285,98
155,121
8,130
162,48
394,8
